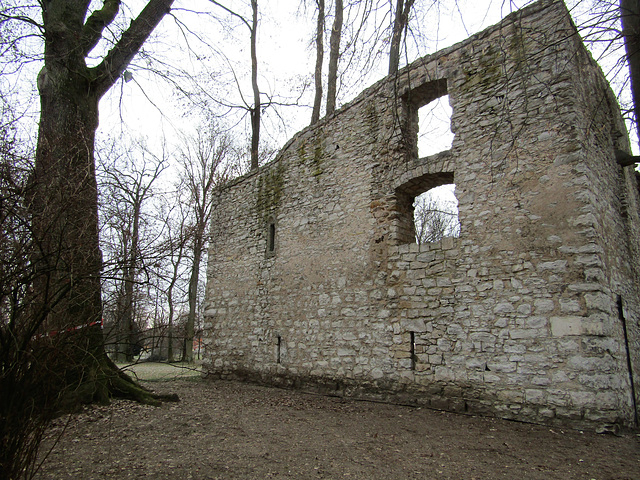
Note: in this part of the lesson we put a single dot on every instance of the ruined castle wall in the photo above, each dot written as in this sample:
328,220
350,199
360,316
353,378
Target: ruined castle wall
301,308
523,316
315,280
611,220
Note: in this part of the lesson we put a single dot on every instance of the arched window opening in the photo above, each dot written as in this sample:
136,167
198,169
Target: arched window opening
435,214
434,131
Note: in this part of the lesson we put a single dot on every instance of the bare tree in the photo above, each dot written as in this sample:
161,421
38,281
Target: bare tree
317,74
610,29
26,408
176,243
401,20
334,56
205,164
434,219
127,185
630,19
63,200
256,108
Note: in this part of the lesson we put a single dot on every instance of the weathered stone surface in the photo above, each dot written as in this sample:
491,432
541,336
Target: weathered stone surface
523,316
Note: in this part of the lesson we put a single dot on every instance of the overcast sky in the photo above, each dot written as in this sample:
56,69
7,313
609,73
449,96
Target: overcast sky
147,106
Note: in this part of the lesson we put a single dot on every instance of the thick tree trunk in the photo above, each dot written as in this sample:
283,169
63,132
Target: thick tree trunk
334,56
64,208
64,194
130,267
170,324
193,294
317,74
630,16
65,225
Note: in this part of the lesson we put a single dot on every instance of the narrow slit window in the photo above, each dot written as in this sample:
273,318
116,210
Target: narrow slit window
271,238
279,350
412,349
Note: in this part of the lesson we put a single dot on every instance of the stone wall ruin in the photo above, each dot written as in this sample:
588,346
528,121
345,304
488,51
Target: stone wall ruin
315,280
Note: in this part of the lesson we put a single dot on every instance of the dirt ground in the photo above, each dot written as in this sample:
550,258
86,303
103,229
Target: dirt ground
227,430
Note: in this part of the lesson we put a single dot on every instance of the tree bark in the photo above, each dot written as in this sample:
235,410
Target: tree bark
403,7
630,16
129,277
255,111
64,199
317,102
334,56
201,175
193,292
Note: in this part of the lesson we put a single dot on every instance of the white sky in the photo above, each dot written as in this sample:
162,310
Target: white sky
147,107
150,108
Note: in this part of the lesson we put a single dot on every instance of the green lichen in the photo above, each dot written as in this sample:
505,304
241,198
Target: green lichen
302,152
487,71
517,47
270,188
318,153
490,63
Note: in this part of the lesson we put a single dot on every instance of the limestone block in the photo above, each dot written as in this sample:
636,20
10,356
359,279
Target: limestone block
536,321
592,364
524,309
416,325
569,305
544,305
524,333
598,301
557,266
503,308
535,396
504,366
575,325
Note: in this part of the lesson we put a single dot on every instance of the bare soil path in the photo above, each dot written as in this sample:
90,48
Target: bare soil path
227,430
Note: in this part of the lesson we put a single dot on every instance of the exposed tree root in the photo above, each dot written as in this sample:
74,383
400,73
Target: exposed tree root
102,380
121,385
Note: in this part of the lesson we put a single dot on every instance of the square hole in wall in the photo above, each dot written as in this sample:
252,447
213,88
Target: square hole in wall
435,214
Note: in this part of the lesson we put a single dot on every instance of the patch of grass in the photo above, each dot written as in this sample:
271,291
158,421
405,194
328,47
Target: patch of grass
162,372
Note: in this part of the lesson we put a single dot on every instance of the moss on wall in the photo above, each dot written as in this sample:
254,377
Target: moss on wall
270,188
318,153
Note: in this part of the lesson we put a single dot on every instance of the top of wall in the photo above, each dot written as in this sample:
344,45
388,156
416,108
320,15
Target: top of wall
399,80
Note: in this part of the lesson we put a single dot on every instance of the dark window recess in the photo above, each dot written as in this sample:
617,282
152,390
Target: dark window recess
279,349
413,349
629,363
271,239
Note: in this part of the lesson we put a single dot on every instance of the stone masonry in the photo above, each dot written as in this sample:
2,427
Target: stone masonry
315,280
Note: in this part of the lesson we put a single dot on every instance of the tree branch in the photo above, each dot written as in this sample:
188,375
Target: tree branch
93,28
22,18
129,44
232,13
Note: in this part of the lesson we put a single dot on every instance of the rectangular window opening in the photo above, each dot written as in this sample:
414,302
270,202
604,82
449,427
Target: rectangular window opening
435,214
434,134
